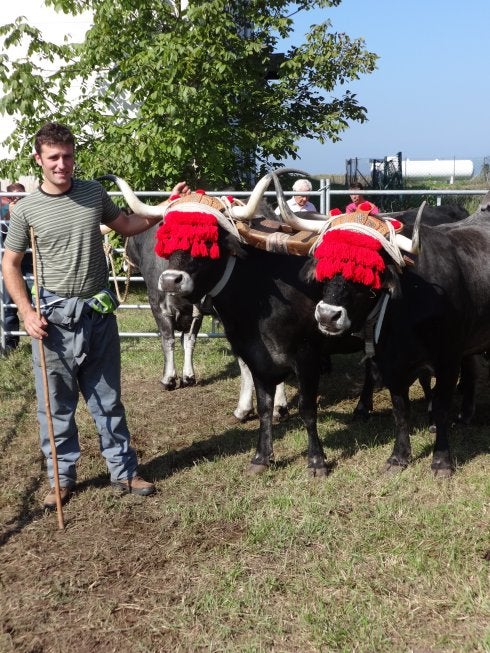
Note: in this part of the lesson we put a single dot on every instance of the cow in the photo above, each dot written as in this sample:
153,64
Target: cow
431,215
436,310
174,313
264,303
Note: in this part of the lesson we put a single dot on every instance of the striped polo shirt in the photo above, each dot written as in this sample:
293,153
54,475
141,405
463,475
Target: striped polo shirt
69,246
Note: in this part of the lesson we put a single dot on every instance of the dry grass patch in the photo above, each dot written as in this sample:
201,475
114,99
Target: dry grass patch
218,561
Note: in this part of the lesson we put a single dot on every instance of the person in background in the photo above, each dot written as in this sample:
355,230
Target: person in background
11,316
300,201
77,326
358,198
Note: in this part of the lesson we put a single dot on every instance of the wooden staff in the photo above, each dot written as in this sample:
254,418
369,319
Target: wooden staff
59,507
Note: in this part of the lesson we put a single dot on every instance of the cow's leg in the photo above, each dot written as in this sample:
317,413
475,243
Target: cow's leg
245,407
165,321
365,403
467,388
425,380
189,339
308,380
281,411
169,378
264,454
442,465
401,453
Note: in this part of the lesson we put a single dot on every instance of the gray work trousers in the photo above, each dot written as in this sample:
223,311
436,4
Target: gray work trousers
98,378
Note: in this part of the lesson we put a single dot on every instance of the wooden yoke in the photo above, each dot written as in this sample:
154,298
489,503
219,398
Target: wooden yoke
273,236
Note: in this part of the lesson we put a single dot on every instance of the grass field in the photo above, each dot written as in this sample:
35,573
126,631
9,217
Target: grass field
221,562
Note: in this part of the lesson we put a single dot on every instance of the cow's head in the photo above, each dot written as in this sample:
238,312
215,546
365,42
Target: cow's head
199,239
355,260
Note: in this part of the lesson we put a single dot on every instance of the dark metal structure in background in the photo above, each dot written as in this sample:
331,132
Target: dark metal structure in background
384,174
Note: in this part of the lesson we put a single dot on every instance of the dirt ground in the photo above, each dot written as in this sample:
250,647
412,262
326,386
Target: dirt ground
217,561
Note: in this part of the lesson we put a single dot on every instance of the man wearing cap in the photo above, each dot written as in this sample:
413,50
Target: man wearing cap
300,201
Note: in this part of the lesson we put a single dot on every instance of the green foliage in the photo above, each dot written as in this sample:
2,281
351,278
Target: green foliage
157,94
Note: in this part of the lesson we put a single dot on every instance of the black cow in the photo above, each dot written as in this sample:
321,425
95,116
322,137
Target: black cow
175,313
433,216
438,315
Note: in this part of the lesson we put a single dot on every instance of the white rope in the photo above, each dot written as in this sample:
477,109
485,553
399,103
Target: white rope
223,217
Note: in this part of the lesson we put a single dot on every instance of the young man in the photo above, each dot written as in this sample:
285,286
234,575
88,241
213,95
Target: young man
77,327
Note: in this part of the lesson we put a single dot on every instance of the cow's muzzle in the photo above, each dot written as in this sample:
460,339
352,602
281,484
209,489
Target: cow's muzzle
332,320
175,281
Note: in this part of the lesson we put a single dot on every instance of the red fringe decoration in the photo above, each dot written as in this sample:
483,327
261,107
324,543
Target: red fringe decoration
196,231
365,206
334,212
397,225
355,256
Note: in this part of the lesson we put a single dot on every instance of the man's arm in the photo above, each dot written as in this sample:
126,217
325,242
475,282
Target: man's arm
132,224
14,281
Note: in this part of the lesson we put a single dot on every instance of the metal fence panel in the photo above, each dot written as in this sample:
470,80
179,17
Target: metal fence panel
324,195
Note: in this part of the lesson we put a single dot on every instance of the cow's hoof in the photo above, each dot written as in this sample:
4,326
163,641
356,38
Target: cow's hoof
281,413
243,417
188,381
360,414
442,472
394,467
171,384
317,472
442,468
254,470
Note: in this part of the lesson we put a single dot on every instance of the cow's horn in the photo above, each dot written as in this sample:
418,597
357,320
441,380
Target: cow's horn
416,228
132,201
247,212
404,243
290,218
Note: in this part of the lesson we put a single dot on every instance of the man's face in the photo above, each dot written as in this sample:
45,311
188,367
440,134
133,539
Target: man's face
57,162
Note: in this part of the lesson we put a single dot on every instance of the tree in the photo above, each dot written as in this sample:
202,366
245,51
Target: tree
159,91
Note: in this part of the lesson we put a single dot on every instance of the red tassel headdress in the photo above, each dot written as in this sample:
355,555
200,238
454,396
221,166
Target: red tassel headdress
353,255
195,230
356,256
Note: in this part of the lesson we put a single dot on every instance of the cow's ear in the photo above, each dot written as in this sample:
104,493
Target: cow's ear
391,281
307,272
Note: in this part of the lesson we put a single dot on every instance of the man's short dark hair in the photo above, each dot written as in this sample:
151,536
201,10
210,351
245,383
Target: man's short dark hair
52,133
356,186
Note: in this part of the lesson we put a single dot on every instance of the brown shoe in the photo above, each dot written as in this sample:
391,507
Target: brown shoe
136,485
50,499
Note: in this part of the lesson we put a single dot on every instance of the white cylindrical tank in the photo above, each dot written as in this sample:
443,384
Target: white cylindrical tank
438,168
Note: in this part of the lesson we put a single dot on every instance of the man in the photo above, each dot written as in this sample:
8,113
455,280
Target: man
300,201
77,326
11,317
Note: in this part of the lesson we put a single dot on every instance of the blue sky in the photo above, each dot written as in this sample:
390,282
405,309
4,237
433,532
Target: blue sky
430,95
428,98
